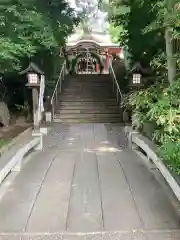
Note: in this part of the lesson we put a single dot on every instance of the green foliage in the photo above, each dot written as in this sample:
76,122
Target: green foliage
169,151
150,29
133,17
115,32
30,26
159,104
166,113
4,142
142,28
142,101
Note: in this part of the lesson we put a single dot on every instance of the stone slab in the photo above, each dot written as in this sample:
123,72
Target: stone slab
100,132
153,205
17,203
119,210
35,170
16,207
85,213
171,235
50,211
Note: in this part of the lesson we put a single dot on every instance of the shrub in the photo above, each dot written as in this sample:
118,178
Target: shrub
142,101
166,113
160,104
170,153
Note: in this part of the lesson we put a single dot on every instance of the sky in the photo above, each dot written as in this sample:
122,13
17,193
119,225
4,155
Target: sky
96,23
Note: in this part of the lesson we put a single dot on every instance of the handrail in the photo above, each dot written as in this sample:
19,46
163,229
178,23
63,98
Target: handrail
59,79
118,90
58,88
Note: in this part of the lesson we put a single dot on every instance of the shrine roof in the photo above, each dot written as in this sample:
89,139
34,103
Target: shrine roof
32,67
97,38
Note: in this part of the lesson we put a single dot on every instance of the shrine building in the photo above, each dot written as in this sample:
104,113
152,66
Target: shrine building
90,52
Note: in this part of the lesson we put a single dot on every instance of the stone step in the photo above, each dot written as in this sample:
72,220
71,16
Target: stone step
80,99
81,85
92,79
87,96
86,76
88,111
65,84
90,95
87,115
85,107
87,88
90,120
88,99
87,104
88,91
88,81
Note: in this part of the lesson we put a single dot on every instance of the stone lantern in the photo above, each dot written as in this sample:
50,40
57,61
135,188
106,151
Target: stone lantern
135,76
35,77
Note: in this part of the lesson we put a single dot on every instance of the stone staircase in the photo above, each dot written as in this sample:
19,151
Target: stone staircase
88,99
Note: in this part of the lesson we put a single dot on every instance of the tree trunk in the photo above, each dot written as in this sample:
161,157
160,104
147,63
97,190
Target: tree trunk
4,114
171,61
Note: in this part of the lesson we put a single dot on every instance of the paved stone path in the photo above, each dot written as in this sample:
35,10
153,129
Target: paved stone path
86,184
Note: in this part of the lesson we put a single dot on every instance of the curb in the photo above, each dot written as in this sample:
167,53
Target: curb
13,141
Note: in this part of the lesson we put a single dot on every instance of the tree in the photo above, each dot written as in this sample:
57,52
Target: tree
167,21
171,61
133,18
148,29
31,26
115,32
